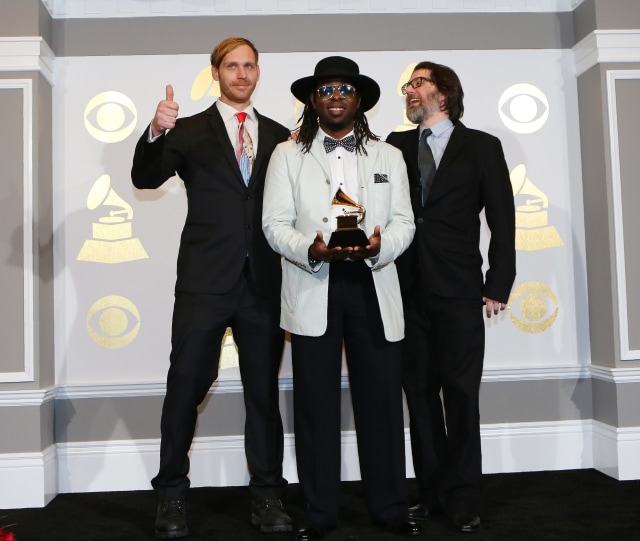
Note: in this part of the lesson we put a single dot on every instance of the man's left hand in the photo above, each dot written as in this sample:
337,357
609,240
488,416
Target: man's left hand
370,250
493,306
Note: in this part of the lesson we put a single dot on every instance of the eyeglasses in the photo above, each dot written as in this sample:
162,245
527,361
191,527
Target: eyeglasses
415,83
326,92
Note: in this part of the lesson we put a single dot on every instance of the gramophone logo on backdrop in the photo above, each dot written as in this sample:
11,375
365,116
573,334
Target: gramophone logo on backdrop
406,123
532,229
204,86
112,239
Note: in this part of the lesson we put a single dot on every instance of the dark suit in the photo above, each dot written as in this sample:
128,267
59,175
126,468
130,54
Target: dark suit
227,276
443,285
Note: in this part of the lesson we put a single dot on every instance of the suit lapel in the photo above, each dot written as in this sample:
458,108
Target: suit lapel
266,143
455,144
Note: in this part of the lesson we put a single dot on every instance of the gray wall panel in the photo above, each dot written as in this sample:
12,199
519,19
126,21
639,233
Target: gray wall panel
369,32
605,402
629,404
627,93
22,430
535,401
598,226
584,19
12,181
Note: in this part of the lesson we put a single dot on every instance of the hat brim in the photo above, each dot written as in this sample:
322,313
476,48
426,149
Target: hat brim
367,88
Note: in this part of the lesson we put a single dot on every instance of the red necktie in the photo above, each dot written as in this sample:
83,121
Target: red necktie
245,149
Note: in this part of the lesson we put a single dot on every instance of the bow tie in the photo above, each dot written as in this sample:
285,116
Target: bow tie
348,143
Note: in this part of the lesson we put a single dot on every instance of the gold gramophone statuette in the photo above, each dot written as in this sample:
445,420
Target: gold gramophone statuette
347,232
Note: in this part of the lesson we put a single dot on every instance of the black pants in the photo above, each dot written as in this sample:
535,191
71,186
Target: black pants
199,324
376,392
443,355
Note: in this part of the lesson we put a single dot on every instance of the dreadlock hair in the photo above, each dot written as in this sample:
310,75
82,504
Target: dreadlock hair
309,127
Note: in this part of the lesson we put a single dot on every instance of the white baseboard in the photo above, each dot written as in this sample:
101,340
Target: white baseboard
29,480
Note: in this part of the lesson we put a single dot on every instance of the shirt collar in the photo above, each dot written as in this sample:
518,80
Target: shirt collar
441,127
227,112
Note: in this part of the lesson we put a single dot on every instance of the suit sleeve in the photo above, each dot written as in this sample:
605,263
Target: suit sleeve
500,215
154,163
398,233
279,213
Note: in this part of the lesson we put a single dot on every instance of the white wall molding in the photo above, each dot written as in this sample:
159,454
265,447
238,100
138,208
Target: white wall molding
626,353
26,86
602,46
129,465
173,8
27,54
616,451
28,479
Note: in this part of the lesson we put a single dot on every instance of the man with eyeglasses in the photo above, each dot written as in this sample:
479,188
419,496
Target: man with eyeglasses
455,173
227,276
343,293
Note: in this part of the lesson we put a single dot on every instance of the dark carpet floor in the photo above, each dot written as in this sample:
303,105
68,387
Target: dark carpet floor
576,505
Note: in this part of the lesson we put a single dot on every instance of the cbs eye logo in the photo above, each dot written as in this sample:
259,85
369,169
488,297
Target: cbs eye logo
523,108
113,322
533,307
110,117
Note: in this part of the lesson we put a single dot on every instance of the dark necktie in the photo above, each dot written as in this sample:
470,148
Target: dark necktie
348,143
427,165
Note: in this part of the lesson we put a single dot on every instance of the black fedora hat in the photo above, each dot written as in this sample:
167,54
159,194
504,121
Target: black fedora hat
341,68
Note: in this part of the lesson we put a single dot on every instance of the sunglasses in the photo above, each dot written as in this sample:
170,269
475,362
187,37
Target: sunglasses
326,92
415,83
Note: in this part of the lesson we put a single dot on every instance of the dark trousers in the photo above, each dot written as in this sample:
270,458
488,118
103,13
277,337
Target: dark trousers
199,324
375,379
443,355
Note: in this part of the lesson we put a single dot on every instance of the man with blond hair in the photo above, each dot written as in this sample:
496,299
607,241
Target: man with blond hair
227,276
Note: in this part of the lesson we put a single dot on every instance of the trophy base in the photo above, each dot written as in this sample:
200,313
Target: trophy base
348,238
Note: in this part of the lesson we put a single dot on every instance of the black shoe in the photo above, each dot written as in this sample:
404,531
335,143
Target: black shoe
404,528
465,523
270,515
171,520
310,533
419,512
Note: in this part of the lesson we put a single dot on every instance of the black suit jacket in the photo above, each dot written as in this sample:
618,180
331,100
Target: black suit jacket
224,217
472,175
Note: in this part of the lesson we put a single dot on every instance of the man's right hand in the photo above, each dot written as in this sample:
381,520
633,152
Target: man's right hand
321,252
166,114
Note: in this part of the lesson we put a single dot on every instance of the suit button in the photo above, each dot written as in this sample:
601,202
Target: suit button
247,197
248,226
325,220
420,220
327,181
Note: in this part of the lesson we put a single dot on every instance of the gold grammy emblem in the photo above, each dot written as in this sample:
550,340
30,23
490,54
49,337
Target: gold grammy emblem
112,240
406,124
347,232
532,229
228,351
204,86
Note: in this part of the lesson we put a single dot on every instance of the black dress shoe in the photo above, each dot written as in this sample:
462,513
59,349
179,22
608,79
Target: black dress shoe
310,533
270,516
171,520
404,529
419,512
465,523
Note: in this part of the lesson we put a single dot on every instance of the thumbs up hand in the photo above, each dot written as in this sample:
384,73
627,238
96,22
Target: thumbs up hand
166,114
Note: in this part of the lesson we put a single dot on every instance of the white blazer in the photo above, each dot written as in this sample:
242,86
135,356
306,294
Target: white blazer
297,202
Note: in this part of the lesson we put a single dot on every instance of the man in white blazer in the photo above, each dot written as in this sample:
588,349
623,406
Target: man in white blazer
343,291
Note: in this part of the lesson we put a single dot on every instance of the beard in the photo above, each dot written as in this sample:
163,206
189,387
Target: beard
416,114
